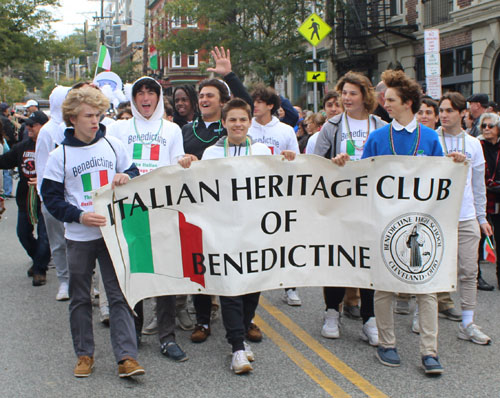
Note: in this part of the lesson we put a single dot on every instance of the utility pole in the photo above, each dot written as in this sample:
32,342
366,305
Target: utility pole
315,69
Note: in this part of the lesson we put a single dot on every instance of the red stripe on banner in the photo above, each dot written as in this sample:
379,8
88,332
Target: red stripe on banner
155,152
272,149
192,251
103,178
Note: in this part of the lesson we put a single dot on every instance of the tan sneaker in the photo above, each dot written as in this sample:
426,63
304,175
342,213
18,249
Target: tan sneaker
200,334
84,366
254,333
130,367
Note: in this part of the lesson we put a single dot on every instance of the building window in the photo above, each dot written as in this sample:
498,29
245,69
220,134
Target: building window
176,22
447,64
437,11
396,7
191,22
193,60
176,60
464,60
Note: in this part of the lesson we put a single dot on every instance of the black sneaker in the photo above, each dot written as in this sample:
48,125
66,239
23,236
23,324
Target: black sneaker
483,285
172,350
30,272
39,280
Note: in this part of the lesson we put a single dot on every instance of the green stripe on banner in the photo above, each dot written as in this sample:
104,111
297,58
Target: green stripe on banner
87,182
138,236
350,149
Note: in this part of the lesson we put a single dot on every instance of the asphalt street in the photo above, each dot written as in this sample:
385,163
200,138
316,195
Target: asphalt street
293,360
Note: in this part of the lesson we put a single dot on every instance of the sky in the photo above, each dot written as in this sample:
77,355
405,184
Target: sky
73,14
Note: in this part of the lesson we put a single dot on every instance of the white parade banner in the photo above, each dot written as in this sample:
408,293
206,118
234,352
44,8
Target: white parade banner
246,224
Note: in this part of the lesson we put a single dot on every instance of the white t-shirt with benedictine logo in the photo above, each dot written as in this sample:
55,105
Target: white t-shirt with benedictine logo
82,170
359,134
151,144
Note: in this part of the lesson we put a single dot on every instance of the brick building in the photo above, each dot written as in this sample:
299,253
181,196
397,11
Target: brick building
374,35
176,68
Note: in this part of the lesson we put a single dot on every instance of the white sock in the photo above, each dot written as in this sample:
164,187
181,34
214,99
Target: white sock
467,317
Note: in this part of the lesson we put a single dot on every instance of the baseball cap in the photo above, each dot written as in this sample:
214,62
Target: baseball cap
4,107
31,103
37,117
481,98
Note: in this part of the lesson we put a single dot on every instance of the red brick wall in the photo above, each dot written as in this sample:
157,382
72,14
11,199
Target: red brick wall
463,3
411,12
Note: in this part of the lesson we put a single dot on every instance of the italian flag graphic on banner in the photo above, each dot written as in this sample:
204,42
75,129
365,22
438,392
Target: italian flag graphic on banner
139,228
96,179
146,152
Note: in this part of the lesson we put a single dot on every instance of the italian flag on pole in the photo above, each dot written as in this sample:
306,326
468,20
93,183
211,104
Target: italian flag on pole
153,58
489,251
96,179
104,60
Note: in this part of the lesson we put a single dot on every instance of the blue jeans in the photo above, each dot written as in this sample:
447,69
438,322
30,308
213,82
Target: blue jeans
7,183
37,248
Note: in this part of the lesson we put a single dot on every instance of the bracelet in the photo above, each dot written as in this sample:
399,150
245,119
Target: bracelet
80,219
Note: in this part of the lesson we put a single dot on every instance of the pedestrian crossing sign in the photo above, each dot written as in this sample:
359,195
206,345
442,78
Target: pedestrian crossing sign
318,77
314,29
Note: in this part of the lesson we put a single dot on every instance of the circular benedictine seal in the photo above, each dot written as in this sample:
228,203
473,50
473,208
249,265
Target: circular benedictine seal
412,247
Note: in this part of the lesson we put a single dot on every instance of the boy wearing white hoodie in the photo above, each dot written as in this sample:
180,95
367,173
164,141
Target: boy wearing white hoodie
153,141
50,137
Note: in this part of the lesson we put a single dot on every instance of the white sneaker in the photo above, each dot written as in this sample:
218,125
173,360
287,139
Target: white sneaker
369,332
104,318
249,352
415,325
473,333
152,328
239,363
292,298
330,328
63,293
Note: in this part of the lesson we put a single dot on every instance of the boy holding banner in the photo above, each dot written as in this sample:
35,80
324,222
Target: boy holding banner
85,161
237,311
472,219
404,136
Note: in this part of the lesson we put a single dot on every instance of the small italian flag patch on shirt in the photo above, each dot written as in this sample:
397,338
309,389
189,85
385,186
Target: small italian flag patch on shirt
146,152
94,180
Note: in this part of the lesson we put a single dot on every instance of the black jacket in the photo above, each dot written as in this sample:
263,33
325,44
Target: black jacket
21,155
197,137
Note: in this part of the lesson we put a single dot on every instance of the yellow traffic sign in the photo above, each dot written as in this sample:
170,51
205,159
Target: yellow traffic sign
318,77
314,29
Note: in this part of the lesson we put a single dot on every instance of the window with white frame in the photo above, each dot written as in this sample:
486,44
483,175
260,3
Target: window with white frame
176,60
396,7
176,21
193,60
191,22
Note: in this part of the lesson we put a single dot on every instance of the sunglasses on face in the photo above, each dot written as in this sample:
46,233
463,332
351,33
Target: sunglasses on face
490,126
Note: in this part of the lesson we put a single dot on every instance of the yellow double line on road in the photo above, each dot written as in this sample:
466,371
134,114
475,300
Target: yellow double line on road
307,366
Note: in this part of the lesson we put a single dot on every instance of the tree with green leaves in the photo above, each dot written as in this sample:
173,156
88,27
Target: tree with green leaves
24,29
262,36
